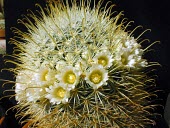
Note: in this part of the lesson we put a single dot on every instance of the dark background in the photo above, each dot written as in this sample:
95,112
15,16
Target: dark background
150,14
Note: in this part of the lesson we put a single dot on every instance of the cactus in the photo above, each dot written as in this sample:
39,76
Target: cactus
77,66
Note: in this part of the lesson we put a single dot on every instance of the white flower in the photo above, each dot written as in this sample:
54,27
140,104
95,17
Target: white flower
69,76
129,54
104,58
45,76
23,79
97,76
26,87
35,93
57,94
19,88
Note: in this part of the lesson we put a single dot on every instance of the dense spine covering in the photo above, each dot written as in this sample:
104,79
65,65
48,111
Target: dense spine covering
78,67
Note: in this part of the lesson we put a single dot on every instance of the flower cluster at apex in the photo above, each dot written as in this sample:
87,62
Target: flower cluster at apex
56,84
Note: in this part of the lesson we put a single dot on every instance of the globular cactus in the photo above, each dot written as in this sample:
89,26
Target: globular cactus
77,66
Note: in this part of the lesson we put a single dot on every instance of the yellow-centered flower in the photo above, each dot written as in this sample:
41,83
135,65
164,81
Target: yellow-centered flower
45,76
103,58
97,76
57,94
69,77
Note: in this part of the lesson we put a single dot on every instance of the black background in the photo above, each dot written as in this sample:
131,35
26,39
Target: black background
150,14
